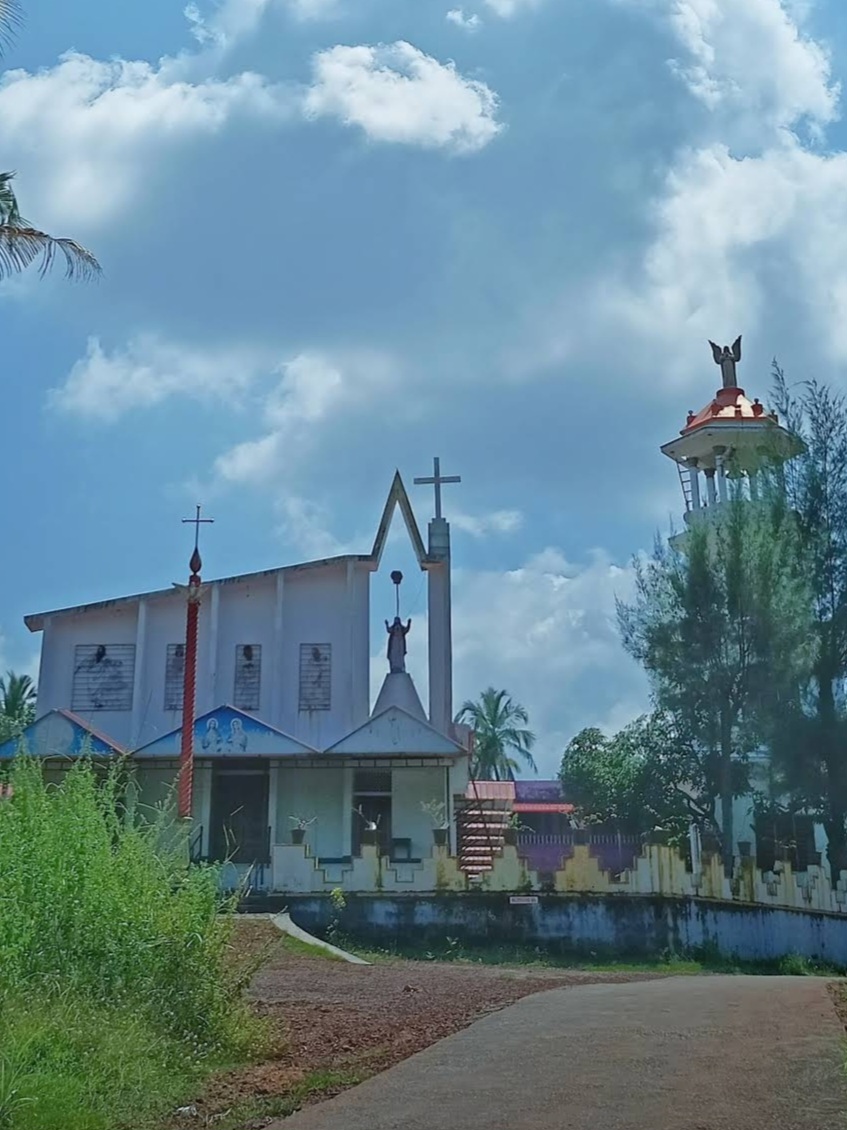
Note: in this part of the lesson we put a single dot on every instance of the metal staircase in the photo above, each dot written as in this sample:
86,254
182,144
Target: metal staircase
685,482
480,824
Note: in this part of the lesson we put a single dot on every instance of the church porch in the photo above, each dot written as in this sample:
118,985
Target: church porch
359,823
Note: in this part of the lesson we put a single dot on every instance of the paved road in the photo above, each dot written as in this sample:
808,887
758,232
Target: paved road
685,1053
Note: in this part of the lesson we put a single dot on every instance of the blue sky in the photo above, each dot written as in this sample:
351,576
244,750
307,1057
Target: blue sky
340,236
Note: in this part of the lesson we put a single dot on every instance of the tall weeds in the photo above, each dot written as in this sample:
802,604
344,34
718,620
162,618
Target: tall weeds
112,954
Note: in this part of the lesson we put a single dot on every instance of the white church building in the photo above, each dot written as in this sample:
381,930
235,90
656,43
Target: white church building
286,729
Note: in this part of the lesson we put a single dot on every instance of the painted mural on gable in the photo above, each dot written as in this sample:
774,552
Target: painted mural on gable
227,732
60,734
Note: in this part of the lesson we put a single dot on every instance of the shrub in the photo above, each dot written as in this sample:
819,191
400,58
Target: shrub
114,984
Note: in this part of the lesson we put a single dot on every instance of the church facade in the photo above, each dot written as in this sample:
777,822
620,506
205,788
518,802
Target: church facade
299,776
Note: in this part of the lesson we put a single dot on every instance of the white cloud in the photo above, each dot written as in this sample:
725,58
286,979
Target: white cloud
314,392
305,525
508,8
396,93
547,632
753,61
748,194
89,136
481,525
467,23
105,386
234,20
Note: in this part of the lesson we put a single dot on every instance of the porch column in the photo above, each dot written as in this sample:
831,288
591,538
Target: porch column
273,805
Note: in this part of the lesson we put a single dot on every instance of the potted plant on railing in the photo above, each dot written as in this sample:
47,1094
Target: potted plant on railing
301,826
512,828
436,810
369,832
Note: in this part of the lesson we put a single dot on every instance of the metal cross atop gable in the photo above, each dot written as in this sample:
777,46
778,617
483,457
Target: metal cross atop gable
436,480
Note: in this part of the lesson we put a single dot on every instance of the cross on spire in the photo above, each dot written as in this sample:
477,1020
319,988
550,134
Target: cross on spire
196,563
436,480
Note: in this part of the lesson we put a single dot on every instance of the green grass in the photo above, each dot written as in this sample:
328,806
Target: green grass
528,956
304,949
117,994
319,1084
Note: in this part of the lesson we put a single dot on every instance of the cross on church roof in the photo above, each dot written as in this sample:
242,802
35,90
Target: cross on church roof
196,563
436,480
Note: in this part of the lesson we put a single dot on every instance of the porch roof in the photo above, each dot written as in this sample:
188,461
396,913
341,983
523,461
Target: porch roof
395,732
228,732
61,733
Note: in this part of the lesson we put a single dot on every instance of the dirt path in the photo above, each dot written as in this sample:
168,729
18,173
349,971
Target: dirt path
344,1023
692,1053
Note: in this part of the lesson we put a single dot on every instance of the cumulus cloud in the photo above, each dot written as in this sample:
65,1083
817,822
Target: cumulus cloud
314,392
234,20
396,93
753,61
89,135
547,632
747,193
482,525
508,8
467,23
105,385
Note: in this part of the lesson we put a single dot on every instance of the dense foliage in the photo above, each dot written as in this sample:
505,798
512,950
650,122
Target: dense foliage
644,778
721,625
114,990
809,732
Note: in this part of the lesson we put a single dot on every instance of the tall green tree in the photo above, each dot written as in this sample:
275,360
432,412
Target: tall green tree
809,737
647,776
21,243
720,623
17,704
503,742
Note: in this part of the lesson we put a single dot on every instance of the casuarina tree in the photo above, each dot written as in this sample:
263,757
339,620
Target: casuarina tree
720,623
809,735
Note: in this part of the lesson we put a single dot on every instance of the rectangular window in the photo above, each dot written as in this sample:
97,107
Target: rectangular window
103,676
248,676
174,676
315,676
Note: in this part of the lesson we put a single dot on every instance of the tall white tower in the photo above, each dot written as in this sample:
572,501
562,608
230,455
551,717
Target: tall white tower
729,439
440,614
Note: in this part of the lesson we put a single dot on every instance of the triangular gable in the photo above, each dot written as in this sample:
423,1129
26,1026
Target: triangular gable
397,496
227,732
60,733
395,732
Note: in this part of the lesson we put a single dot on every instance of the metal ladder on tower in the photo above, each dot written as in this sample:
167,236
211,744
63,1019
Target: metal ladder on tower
685,482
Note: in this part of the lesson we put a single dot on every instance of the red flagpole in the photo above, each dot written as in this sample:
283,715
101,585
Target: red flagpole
189,684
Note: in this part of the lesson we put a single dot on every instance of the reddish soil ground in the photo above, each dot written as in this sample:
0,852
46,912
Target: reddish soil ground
339,1023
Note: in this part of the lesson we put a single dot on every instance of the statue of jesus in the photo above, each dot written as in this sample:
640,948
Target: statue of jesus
397,633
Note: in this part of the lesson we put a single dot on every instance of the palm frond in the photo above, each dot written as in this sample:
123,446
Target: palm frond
11,18
21,246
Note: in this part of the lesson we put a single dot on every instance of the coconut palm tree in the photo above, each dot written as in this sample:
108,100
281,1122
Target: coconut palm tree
21,244
17,698
502,744
17,704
